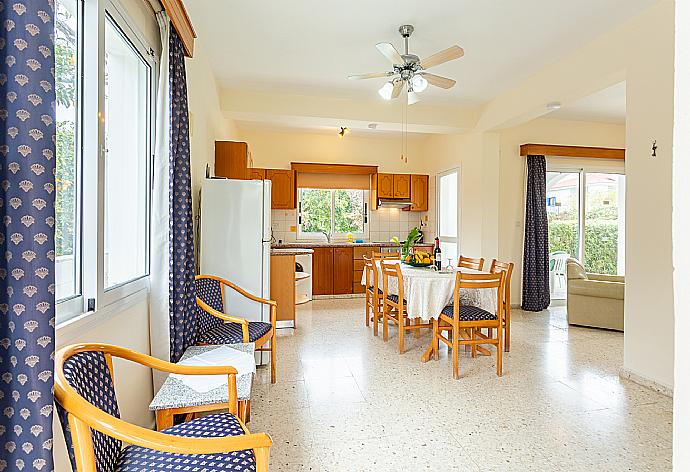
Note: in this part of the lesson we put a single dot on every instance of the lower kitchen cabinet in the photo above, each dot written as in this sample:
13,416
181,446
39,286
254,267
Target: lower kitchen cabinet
322,271
342,270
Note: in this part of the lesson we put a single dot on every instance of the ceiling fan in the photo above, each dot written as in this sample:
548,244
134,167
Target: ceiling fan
409,72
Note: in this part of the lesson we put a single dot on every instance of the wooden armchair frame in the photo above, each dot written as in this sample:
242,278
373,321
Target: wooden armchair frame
471,262
506,267
83,416
397,311
460,329
270,336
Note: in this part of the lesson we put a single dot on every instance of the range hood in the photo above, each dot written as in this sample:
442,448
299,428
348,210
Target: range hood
394,203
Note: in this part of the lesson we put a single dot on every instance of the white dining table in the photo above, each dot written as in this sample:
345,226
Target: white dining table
428,291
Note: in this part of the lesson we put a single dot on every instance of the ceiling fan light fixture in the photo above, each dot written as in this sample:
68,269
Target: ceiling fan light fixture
386,91
419,83
412,97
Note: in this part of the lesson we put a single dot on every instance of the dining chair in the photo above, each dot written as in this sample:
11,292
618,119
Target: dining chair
217,328
395,305
392,256
90,417
471,263
463,319
371,306
507,268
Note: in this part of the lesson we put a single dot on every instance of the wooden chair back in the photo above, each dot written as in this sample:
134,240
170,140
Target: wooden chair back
482,281
370,276
385,255
507,268
471,263
93,418
389,270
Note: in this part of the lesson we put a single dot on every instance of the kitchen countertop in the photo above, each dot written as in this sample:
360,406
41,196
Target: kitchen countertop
307,245
290,251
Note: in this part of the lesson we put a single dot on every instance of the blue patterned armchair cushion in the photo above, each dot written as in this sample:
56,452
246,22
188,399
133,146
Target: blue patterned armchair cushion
210,292
89,375
231,333
470,313
139,459
394,299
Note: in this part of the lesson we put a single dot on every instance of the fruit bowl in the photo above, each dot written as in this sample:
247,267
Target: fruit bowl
418,259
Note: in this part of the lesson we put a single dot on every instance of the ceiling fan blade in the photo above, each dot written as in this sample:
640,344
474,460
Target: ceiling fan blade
439,81
375,75
397,88
453,52
392,54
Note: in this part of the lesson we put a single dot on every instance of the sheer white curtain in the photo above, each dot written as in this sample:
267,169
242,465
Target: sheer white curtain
160,212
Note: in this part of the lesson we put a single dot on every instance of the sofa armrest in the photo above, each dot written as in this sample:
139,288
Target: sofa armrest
597,288
606,278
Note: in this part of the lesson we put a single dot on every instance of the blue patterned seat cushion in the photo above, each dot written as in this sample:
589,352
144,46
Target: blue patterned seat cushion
470,313
140,459
394,299
231,333
371,289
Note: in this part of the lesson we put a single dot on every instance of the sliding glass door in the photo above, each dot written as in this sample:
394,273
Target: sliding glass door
448,195
586,213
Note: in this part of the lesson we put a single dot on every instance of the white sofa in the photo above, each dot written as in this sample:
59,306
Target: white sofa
594,300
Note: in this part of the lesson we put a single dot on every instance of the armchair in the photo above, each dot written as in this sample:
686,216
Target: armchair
594,300
216,327
94,432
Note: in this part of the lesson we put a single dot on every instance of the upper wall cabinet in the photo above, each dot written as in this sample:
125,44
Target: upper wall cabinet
233,159
419,192
401,186
385,185
283,191
257,174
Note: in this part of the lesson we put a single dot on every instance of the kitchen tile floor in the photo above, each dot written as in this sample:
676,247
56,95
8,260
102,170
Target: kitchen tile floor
347,401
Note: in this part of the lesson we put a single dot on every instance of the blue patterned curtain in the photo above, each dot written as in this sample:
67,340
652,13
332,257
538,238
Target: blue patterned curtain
183,329
27,243
536,295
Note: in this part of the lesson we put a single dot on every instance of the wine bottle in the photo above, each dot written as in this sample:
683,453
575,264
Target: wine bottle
437,254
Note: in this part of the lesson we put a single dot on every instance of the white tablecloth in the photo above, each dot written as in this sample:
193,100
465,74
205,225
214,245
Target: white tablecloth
427,292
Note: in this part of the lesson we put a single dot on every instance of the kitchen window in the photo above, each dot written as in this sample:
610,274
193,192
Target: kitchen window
336,212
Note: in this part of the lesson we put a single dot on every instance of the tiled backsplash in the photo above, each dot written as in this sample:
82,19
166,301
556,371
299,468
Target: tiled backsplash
384,223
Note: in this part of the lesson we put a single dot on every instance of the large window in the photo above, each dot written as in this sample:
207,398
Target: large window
333,211
127,140
586,213
67,176
104,118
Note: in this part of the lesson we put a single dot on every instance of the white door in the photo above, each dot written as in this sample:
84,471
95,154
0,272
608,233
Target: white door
448,198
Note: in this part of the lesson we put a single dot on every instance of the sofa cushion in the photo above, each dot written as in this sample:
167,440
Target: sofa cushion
597,289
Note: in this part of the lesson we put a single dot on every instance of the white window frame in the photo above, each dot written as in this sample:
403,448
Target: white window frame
582,171
442,238
94,296
310,236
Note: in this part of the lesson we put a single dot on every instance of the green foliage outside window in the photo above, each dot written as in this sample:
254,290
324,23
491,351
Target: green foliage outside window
601,243
320,205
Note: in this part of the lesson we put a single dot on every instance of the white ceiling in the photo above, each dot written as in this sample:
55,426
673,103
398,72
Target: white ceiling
607,106
309,47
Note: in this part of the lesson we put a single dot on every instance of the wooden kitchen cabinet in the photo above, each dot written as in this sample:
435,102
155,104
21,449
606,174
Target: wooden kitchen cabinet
322,271
256,173
384,185
401,186
283,191
342,270
419,192
283,286
233,160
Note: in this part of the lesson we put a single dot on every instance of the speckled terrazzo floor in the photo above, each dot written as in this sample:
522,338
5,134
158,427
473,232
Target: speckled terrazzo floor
347,401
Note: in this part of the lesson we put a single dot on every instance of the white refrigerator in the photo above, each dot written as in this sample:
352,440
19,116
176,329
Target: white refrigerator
236,241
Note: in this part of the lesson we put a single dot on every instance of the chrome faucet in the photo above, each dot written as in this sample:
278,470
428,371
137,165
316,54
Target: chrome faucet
328,236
